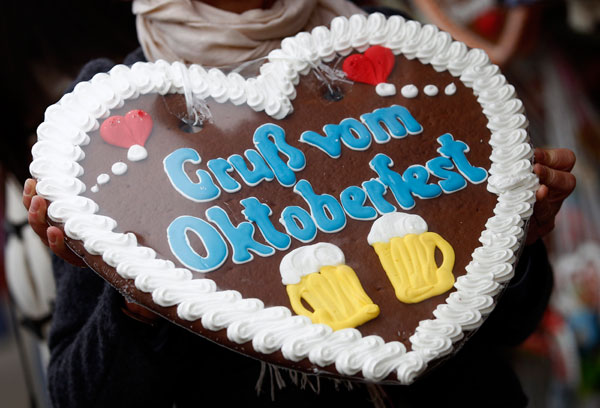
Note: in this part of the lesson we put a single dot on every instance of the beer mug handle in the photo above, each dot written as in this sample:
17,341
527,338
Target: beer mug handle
446,249
294,293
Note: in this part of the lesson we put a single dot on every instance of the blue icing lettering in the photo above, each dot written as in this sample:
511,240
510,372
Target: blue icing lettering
241,238
350,131
397,119
376,190
354,134
213,242
455,150
400,189
330,144
324,208
449,181
416,177
284,172
221,169
260,169
353,201
204,190
291,216
259,213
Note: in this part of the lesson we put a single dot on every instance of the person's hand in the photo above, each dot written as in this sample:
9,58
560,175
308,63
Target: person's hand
51,236
553,167
54,238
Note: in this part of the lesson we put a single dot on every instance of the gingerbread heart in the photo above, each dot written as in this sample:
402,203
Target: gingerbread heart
270,232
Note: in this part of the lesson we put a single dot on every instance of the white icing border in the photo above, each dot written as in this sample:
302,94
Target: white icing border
275,328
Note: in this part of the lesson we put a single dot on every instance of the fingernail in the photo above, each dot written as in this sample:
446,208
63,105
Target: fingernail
52,239
27,187
35,205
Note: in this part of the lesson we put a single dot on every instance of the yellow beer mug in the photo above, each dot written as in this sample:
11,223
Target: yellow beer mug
316,277
406,251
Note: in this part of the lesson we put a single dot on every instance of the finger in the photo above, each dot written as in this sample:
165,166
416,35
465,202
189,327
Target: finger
559,159
36,217
28,192
56,242
557,181
541,193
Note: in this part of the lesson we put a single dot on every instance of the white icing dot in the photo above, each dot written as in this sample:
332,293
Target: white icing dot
430,90
385,89
119,168
409,91
94,188
137,153
450,89
103,178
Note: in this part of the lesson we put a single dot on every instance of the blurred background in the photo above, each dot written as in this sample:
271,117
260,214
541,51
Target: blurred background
549,50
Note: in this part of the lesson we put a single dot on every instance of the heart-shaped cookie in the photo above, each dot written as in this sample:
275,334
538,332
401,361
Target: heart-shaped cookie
363,236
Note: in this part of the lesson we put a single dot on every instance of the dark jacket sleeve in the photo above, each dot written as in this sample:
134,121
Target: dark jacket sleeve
521,307
100,356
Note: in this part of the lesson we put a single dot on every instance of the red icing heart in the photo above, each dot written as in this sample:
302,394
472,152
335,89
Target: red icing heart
372,67
126,131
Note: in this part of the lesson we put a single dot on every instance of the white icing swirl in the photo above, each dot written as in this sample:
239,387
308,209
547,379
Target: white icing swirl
376,28
244,330
323,43
150,280
351,360
411,365
54,188
58,150
430,345
468,319
176,292
359,31
478,284
271,337
382,363
326,353
395,33
220,318
439,44
56,132
412,42
341,35
299,346
483,303
46,166
193,308
61,210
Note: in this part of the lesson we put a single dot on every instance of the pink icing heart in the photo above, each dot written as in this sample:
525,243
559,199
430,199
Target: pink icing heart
373,67
126,131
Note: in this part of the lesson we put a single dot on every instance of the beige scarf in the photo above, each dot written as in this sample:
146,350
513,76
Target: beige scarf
194,32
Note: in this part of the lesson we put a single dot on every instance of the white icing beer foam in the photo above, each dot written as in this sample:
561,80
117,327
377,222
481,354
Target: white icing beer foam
309,259
395,224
